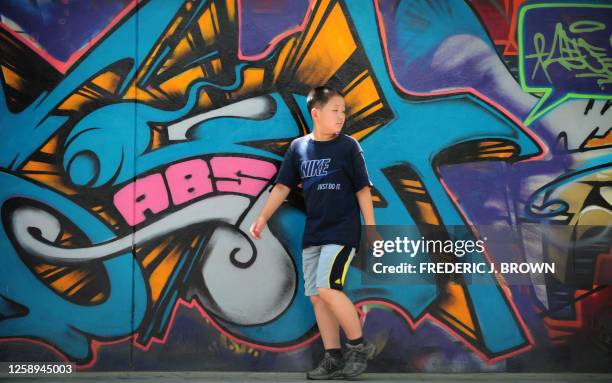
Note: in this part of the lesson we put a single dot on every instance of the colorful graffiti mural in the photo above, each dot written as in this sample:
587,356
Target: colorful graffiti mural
138,150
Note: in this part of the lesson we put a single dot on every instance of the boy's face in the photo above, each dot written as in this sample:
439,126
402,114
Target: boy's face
330,117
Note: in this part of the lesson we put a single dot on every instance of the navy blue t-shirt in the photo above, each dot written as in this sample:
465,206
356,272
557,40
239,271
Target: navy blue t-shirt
331,172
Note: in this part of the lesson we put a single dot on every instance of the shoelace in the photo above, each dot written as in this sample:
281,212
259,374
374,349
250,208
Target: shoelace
327,363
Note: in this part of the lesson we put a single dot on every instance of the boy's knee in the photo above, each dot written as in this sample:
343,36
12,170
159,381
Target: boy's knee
316,300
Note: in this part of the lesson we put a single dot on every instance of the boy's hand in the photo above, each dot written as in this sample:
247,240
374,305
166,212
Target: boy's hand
372,236
257,227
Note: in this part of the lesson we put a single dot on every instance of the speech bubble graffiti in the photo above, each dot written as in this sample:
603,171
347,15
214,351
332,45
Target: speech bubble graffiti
565,51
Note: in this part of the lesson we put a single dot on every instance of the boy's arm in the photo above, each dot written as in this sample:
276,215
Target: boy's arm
364,198
277,196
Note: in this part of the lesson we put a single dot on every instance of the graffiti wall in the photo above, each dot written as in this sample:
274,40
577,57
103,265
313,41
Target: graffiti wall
140,140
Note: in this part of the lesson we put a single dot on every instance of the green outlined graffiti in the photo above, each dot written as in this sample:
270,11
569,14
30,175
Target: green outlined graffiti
565,54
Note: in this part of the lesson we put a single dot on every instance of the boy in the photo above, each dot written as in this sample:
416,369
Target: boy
330,168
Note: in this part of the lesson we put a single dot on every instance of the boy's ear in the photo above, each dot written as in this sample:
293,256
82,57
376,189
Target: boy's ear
314,113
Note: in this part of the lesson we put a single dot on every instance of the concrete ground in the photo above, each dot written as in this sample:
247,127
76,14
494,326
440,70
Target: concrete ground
281,377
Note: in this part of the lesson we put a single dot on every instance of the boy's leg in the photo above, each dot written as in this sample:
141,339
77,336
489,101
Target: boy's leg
343,310
331,272
327,323
329,328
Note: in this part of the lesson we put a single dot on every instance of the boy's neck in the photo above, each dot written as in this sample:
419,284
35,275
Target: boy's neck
318,136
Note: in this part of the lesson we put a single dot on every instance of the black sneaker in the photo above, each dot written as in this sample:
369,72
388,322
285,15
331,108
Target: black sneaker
356,359
328,368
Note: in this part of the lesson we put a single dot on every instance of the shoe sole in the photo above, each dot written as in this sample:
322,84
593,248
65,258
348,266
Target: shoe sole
334,375
321,378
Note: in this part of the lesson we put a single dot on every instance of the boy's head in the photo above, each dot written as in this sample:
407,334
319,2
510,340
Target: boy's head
326,107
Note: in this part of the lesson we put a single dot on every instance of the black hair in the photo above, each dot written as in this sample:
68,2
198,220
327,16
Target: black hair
319,96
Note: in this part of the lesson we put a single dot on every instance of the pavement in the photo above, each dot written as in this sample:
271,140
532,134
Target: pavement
281,377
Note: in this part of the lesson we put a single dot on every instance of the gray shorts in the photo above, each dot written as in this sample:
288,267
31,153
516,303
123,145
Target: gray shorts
325,266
